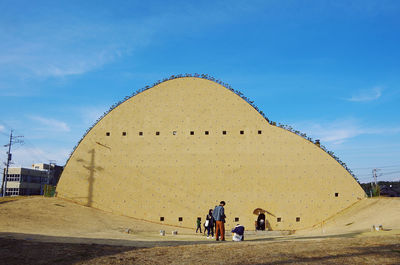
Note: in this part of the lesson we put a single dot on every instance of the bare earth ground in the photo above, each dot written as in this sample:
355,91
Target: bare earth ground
37,230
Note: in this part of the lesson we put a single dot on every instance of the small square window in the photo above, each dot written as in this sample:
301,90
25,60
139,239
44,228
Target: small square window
123,133
141,133
174,132
224,132
279,219
259,132
241,132
297,219
336,194
157,133
236,219
107,133
206,133
191,132
162,219
180,219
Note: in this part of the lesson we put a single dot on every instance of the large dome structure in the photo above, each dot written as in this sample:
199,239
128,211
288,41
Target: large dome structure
173,151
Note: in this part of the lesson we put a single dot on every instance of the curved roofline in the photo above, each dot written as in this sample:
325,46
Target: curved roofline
227,86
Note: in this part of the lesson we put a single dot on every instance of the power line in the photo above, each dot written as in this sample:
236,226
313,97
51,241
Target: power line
388,173
376,167
33,152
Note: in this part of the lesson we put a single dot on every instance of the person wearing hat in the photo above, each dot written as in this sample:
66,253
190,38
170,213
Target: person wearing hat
219,217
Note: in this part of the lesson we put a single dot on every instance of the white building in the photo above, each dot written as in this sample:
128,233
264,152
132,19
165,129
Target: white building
31,181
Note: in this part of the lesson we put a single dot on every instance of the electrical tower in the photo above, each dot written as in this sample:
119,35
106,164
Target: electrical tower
13,140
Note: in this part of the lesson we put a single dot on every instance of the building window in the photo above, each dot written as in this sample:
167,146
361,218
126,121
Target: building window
107,133
157,133
141,133
297,219
206,133
224,132
336,194
174,132
236,219
162,219
279,219
123,133
180,219
259,132
191,132
241,132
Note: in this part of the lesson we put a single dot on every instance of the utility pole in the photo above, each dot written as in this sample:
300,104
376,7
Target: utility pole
375,176
51,162
13,140
375,185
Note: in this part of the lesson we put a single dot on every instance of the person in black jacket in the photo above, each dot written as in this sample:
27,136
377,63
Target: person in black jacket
209,224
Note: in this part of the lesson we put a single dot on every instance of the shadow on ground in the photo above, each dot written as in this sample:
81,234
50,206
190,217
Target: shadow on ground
18,248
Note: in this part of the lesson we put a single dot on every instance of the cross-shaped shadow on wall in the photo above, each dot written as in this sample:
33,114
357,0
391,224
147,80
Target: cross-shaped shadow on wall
92,168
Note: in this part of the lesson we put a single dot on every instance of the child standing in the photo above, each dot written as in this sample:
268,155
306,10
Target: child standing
198,224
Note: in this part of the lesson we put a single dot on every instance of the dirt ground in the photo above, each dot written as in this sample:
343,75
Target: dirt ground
37,230
360,217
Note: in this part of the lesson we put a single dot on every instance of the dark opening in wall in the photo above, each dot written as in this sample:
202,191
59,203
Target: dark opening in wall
279,219
336,194
141,133
206,133
223,132
191,132
174,133
157,133
162,219
241,132
236,219
180,219
107,133
123,133
259,132
297,219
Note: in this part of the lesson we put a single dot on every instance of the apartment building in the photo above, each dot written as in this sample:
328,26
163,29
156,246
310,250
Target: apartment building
31,181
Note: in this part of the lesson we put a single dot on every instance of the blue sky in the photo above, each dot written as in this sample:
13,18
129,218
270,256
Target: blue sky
330,69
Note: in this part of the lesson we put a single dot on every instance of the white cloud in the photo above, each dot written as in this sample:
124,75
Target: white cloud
51,124
59,43
335,132
366,95
90,114
25,156
338,131
79,65
41,50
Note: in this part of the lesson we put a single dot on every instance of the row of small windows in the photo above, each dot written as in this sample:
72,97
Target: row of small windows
191,133
180,219
13,177
18,191
26,178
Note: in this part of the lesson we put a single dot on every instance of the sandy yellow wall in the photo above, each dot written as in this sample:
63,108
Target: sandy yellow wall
184,175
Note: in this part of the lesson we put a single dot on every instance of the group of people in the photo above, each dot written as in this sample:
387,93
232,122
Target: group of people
216,219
